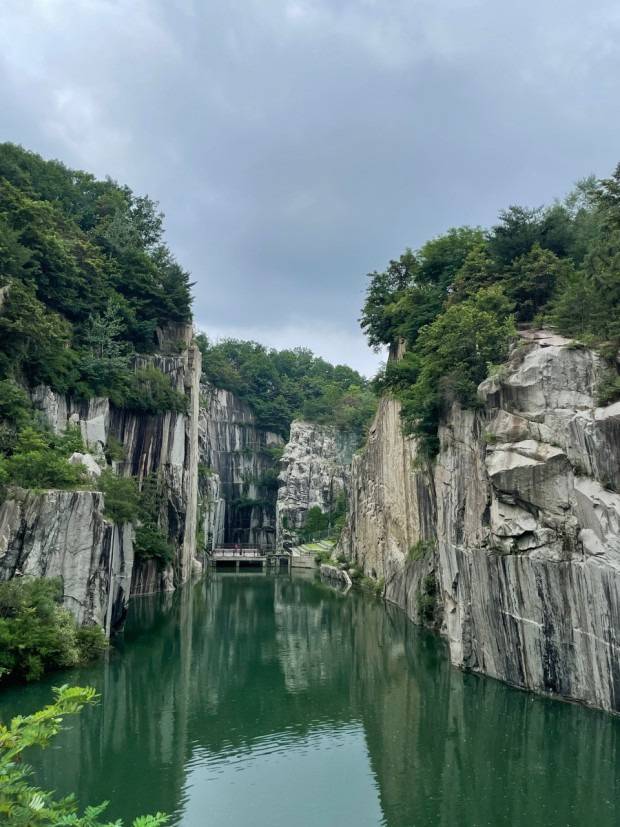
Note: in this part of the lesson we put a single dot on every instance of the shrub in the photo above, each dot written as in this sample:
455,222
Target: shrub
150,391
373,585
15,405
150,542
37,634
121,497
421,549
114,450
427,598
40,460
91,642
23,804
608,390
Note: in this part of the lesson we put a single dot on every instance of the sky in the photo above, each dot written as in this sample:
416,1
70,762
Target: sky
296,145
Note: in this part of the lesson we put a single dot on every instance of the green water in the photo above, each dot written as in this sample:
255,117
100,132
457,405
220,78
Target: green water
256,700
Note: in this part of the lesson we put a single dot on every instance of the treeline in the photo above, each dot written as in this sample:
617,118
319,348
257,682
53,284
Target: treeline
280,386
85,279
456,302
85,282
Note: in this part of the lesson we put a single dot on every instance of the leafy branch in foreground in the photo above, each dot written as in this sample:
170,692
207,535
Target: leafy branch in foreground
24,805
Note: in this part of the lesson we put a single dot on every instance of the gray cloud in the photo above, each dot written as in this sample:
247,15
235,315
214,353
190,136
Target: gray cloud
297,144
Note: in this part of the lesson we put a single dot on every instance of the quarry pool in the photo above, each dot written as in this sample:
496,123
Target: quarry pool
251,700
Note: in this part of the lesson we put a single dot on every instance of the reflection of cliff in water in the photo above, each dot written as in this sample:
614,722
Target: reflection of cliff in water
223,664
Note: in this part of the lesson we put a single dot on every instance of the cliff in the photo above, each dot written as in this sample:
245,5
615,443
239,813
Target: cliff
59,533
510,541
238,481
315,470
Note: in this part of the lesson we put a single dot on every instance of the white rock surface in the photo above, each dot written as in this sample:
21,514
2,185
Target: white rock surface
64,534
522,501
165,444
315,470
89,463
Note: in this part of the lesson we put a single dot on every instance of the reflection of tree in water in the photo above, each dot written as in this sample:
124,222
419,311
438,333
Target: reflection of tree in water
225,663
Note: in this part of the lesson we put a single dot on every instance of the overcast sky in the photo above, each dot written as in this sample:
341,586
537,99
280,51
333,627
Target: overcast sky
295,145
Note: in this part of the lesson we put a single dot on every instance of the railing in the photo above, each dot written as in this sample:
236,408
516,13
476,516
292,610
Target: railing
233,552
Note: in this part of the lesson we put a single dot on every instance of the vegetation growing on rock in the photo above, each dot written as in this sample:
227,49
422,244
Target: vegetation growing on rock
456,300
37,634
85,281
280,386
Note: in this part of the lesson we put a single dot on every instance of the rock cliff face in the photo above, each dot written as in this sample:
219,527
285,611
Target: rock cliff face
238,481
315,470
65,533
519,520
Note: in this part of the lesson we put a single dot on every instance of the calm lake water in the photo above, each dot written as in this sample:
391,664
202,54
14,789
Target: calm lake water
251,700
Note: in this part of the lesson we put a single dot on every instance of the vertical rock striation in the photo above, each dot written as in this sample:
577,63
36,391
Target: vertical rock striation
523,514
242,456
315,471
87,551
64,534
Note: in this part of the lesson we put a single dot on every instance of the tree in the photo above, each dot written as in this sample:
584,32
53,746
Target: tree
532,279
442,257
382,293
519,228
21,803
449,360
478,270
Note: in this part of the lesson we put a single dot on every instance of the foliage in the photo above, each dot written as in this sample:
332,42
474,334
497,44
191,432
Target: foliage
412,291
87,277
448,361
21,803
450,302
280,386
371,584
150,391
608,390
121,497
318,522
37,634
421,549
126,502
150,542
114,449
427,598
39,459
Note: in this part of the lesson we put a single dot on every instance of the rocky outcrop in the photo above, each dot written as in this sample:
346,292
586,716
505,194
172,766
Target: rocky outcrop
162,445
64,534
243,458
517,524
391,509
315,471
335,576
211,511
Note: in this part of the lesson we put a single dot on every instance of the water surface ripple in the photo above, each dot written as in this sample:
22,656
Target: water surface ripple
258,701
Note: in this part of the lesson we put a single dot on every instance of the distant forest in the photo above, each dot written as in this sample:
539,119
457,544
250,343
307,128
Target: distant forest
280,386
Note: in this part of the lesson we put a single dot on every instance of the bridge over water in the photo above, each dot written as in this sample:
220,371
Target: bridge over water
246,556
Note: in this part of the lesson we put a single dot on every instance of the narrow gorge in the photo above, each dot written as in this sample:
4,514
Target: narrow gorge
285,586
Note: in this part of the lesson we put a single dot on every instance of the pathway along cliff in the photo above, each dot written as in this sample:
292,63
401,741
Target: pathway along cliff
272,701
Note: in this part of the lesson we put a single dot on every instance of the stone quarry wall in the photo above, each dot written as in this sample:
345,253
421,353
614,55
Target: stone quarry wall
66,534
238,476
520,522
315,470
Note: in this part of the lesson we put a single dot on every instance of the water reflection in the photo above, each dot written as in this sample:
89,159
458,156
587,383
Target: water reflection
251,700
